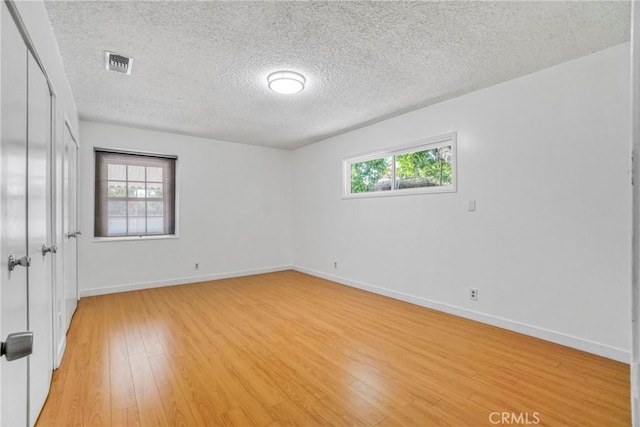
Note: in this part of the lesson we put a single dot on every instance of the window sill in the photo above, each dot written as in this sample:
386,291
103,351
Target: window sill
404,192
132,238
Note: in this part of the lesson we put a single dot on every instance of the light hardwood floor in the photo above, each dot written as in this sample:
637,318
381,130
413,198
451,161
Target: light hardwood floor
290,349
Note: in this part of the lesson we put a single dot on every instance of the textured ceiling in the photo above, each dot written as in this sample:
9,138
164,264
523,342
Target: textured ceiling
200,68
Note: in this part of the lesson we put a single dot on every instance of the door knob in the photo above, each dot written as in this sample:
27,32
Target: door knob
25,261
53,249
17,345
74,234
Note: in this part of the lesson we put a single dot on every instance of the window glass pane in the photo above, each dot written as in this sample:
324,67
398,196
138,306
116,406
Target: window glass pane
155,208
136,173
154,190
117,226
137,209
117,208
428,168
117,189
136,189
446,154
154,174
117,172
136,225
372,175
155,224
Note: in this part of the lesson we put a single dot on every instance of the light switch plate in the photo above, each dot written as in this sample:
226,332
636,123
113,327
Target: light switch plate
472,205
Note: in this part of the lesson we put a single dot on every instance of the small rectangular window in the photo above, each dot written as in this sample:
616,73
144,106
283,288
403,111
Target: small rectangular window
428,166
134,194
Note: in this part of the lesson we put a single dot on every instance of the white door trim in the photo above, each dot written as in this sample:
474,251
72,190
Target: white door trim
635,248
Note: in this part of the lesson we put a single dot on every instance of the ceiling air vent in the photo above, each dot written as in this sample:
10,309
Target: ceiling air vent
119,63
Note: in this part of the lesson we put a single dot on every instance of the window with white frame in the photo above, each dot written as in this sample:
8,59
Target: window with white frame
134,194
426,166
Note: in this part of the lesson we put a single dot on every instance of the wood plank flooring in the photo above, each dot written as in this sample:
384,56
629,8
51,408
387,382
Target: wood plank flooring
290,349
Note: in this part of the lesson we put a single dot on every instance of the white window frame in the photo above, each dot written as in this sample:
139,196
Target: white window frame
449,139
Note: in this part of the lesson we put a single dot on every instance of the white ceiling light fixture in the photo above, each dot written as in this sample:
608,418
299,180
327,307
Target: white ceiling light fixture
286,82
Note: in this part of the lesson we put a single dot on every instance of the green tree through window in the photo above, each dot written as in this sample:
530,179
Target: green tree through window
426,168
430,167
365,175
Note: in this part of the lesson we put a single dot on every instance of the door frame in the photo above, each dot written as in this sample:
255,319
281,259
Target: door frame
60,325
72,133
635,195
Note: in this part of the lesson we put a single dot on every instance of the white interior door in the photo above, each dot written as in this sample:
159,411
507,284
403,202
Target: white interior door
70,225
13,215
39,237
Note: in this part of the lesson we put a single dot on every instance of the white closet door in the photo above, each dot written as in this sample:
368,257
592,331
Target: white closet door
40,272
70,226
13,214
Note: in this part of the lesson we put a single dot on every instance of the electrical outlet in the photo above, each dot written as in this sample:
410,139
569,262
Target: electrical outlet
196,266
335,264
473,294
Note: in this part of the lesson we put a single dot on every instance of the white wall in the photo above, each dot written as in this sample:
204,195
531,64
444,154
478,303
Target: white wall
546,157
234,213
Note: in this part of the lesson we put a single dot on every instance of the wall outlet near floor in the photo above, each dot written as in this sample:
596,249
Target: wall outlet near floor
335,264
473,294
196,266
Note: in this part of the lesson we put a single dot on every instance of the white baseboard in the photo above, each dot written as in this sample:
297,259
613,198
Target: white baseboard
179,281
603,350
60,352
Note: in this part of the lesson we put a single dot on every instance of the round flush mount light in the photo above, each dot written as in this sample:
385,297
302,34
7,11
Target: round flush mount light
286,82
